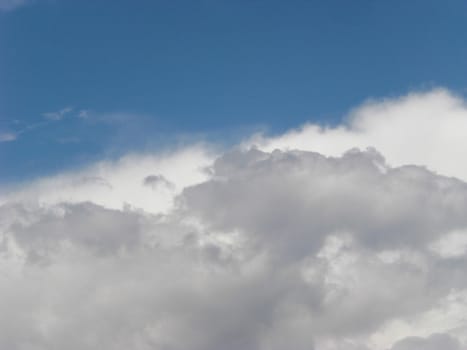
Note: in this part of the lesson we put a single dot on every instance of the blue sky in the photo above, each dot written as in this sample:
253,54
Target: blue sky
129,75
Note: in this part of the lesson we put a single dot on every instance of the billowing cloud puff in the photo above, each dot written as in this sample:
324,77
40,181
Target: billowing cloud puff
248,249
124,182
427,128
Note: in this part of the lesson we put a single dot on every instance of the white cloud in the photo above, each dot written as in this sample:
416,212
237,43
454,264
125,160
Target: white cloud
58,115
115,184
452,244
427,128
245,249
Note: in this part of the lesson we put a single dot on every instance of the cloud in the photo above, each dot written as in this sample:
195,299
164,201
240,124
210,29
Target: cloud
434,342
10,5
248,249
22,127
155,181
296,248
59,115
7,136
83,114
116,184
424,128
364,229
357,192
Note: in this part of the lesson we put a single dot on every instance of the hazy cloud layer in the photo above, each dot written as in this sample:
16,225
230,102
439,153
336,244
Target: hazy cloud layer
434,342
7,136
9,5
247,249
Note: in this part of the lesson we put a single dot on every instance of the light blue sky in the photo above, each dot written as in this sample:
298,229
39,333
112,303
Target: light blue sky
86,79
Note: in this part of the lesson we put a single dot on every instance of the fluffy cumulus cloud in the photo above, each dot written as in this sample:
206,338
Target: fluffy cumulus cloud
145,181
425,128
302,242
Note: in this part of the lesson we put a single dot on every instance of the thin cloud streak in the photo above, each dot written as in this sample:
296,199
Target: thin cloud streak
58,115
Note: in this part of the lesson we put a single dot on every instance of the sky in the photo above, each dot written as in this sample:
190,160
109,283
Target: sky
215,174
154,73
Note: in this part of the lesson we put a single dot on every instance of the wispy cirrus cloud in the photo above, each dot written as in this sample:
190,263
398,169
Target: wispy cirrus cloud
15,128
58,115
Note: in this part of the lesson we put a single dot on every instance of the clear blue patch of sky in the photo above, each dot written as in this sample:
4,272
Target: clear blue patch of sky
205,67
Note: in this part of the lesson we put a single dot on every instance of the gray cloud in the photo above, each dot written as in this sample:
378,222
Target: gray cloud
293,200
274,250
154,181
